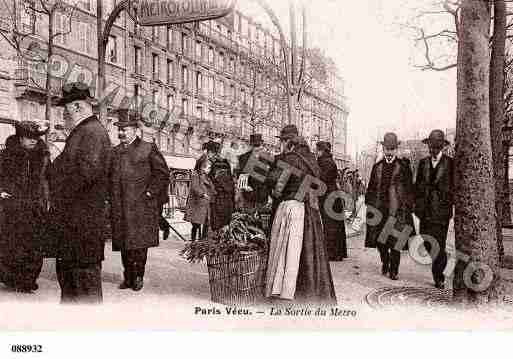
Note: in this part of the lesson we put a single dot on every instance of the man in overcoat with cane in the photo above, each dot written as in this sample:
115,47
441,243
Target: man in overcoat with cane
139,176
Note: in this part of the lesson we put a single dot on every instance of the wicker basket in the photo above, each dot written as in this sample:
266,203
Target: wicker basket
238,278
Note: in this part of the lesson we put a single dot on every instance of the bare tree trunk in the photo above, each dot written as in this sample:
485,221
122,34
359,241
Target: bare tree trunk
48,87
476,216
497,111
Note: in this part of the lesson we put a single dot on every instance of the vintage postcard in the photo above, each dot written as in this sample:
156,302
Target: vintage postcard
255,164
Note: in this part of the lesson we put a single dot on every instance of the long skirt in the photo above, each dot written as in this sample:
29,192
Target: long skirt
298,267
334,233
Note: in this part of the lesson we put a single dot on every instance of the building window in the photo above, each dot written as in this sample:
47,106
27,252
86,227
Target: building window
61,23
199,81
85,4
211,89
112,49
198,50
169,71
199,112
184,43
211,116
154,95
185,77
221,88
169,37
232,65
137,60
232,92
155,34
135,100
85,37
155,66
221,61
170,103
185,107
211,55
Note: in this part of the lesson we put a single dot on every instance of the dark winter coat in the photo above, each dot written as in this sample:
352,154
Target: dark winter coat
223,206
334,229
22,175
260,193
79,186
395,201
137,169
434,192
198,207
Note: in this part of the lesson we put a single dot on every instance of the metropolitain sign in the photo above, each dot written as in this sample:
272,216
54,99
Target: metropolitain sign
166,12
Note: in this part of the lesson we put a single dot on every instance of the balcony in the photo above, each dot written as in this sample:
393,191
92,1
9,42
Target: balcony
27,79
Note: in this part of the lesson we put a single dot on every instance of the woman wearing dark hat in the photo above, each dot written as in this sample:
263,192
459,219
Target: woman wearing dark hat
334,229
201,195
24,198
221,176
298,267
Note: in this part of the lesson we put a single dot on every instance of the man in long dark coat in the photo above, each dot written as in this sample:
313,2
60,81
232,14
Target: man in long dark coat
389,197
23,201
221,176
79,190
434,201
139,176
334,229
256,194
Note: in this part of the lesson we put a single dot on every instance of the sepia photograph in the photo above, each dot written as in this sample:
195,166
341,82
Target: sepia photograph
222,165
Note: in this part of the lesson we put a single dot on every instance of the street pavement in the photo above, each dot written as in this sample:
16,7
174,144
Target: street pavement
170,278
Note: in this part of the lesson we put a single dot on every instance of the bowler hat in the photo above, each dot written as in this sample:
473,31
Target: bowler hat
323,146
212,146
436,137
127,118
256,139
29,129
390,141
288,132
73,92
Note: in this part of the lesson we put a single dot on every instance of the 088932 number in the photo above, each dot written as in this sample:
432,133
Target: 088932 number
26,348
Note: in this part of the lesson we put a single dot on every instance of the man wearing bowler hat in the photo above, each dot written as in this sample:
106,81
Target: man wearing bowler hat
79,189
389,197
139,176
434,201
255,193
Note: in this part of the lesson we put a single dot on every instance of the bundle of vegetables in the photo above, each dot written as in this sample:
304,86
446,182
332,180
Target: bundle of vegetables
240,235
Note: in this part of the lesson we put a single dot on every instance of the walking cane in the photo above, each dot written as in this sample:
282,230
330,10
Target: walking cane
176,232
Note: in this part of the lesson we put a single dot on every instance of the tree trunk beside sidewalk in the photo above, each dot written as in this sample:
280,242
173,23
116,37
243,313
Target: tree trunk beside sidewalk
475,210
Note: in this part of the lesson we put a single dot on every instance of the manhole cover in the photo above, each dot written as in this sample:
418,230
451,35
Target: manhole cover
408,296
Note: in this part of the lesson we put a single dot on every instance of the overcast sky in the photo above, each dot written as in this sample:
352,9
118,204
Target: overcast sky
384,90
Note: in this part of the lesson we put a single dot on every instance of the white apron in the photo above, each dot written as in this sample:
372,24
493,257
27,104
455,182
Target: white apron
285,250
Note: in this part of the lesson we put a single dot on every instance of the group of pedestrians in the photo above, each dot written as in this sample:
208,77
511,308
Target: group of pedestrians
57,209
393,198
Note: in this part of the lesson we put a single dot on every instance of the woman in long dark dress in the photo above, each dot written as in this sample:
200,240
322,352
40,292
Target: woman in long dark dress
298,267
334,229
23,197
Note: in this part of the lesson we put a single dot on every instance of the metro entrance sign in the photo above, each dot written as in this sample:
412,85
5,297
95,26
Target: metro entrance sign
166,12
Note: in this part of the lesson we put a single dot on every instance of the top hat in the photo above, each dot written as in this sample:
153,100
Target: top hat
436,137
127,118
288,132
323,146
73,92
29,129
390,141
256,139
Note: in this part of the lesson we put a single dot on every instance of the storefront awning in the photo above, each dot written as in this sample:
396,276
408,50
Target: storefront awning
183,163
